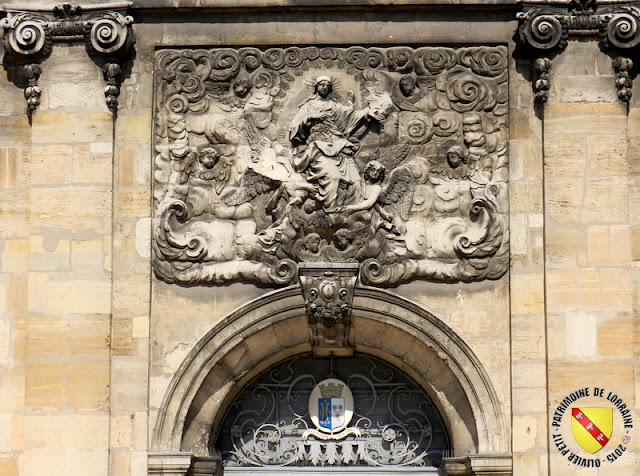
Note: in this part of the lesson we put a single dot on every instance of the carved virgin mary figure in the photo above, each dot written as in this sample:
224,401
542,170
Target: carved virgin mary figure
324,134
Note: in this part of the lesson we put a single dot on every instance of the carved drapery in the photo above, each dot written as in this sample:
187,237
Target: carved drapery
107,35
545,30
391,159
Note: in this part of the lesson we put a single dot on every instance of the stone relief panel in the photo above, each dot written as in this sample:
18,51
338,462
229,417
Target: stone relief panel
391,159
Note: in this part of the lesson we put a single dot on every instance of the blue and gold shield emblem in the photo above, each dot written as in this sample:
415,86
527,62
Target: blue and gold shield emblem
331,405
331,413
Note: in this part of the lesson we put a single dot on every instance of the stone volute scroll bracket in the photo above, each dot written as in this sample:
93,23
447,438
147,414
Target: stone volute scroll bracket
105,29
328,290
544,32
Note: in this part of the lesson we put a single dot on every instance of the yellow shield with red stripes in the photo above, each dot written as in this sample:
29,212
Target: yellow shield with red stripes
591,427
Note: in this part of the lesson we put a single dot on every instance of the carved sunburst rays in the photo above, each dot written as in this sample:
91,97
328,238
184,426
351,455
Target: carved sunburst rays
336,85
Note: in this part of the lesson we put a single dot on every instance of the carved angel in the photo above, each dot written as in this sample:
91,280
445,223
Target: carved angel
406,93
457,177
453,162
291,191
395,194
240,89
260,131
207,165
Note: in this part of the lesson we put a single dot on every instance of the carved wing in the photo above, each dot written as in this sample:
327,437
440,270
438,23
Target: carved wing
392,156
256,139
189,167
427,83
221,174
399,191
217,89
251,185
402,102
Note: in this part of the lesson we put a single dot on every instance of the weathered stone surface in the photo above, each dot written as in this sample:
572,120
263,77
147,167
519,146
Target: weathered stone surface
390,178
93,341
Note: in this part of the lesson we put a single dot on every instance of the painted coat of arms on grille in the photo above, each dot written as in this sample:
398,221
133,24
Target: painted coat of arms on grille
331,405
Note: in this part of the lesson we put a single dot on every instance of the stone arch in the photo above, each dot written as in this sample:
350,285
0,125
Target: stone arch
273,327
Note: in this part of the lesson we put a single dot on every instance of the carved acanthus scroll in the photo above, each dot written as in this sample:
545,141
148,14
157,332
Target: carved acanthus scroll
107,35
391,160
545,30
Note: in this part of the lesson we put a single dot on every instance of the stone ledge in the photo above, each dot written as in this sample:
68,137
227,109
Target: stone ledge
48,5
169,464
479,465
88,5
310,4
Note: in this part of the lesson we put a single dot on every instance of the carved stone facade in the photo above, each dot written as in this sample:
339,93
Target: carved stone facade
208,211
394,158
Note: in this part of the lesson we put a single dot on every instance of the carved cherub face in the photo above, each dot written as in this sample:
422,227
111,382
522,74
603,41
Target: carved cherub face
374,171
456,156
407,85
341,239
208,157
241,88
312,242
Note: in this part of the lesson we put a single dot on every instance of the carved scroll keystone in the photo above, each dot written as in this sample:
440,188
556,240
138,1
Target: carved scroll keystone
328,292
545,30
29,37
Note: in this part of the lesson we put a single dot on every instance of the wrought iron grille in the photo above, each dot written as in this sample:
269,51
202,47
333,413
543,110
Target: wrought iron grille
395,423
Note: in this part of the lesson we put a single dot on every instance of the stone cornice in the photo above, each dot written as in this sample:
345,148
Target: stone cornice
29,36
213,4
86,7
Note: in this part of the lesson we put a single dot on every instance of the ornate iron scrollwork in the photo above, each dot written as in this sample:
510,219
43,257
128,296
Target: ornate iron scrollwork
546,29
108,36
394,423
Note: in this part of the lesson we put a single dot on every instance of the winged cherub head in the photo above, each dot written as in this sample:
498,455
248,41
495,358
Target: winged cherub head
208,157
457,155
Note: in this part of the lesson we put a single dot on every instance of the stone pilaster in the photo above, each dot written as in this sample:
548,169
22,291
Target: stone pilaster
589,279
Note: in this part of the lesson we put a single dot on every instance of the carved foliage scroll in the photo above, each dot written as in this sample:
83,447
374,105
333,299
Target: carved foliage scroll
546,29
29,37
394,159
